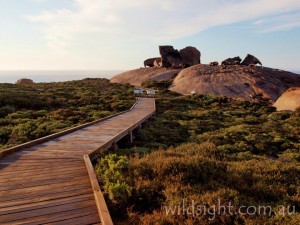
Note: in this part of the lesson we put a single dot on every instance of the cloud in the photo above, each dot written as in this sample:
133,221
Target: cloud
286,21
258,22
158,20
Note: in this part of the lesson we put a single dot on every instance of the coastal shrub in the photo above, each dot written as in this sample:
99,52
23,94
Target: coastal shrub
5,135
23,132
111,171
206,149
53,107
5,110
119,192
194,173
157,85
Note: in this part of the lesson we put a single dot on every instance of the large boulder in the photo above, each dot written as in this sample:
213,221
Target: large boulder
157,63
249,83
150,62
170,58
290,100
190,56
138,76
232,61
251,60
214,63
24,81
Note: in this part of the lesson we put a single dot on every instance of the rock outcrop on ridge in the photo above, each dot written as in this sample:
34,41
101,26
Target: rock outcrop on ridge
235,81
251,60
172,58
190,56
138,76
290,100
234,78
150,62
231,61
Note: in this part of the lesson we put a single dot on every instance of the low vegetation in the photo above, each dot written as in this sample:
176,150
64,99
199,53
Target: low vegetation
29,112
199,154
157,85
209,152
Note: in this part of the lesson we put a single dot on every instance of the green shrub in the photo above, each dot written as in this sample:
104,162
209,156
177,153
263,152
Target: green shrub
157,85
110,170
208,149
53,107
119,193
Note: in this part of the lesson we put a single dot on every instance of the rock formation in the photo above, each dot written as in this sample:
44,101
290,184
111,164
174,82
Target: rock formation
215,63
190,56
232,61
249,83
251,60
170,58
157,63
232,79
138,76
290,100
24,81
150,62
235,81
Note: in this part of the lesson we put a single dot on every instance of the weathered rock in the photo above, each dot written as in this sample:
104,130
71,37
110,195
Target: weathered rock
157,63
150,62
289,100
215,63
251,60
232,61
24,81
190,56
235,81
170,58
138,76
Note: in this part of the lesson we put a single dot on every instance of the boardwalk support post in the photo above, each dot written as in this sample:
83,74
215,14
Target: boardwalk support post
115,146
131,136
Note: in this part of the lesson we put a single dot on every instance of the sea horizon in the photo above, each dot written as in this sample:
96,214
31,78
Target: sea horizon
48,76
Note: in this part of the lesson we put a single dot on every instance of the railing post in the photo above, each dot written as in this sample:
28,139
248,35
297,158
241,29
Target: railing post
115,146
131,136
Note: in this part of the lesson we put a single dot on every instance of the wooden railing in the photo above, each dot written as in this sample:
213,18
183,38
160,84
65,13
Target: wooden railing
58,134
104,214
99,198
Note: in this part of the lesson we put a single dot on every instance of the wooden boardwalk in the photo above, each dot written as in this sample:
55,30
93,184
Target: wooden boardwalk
48,183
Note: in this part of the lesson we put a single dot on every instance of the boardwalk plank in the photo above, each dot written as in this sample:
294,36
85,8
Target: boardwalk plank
42,175
45,204
90,219
48,183
35,182
75,191
82,205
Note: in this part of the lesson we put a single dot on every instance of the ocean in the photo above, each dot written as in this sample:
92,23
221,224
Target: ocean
11,76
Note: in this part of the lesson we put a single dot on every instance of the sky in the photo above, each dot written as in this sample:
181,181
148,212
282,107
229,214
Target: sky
120,35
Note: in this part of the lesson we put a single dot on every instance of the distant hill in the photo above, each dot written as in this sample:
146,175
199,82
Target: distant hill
246,82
